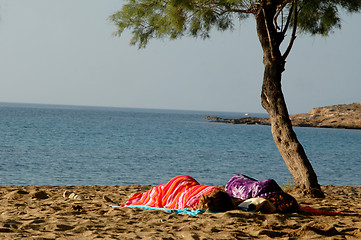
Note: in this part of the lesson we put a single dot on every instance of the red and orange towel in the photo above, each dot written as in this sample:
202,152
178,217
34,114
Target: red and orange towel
180,192
315,211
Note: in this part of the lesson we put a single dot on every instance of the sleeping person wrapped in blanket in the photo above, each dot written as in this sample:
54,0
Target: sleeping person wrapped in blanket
183,192
266,193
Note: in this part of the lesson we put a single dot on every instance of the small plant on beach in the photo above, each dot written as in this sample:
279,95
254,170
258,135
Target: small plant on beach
173,19
289,186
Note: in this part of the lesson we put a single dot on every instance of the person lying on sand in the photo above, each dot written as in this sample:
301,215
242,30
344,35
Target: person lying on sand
244,187
183,192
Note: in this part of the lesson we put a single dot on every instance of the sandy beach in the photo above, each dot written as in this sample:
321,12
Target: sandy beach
42,212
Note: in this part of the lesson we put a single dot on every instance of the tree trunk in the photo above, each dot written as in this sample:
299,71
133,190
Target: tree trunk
274,103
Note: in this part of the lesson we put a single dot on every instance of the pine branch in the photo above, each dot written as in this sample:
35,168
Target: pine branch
269,34
293,36
280,9
288,20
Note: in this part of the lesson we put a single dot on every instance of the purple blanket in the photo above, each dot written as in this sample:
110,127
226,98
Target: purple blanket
243,187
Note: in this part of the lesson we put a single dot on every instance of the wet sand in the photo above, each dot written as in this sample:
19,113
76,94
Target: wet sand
42,212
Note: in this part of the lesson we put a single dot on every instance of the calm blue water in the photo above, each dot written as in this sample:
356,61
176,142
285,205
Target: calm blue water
67,145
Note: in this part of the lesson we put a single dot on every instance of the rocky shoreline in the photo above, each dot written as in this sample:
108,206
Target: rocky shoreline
346,116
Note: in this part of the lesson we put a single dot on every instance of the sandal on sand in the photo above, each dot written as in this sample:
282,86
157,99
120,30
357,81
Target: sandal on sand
107,199
72,195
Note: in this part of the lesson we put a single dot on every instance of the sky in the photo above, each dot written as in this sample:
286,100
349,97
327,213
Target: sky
64,52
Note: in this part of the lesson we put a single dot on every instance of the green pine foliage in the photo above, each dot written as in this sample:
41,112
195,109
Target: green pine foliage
322,17
147,19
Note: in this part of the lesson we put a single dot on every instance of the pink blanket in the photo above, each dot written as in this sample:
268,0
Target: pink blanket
180,192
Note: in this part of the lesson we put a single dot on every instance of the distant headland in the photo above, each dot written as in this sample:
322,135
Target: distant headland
338,116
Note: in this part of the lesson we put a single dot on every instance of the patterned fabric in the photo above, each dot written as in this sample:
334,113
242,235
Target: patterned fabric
178,211
180,192
244,187
283,202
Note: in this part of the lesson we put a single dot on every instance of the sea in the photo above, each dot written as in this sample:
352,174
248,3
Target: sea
80,145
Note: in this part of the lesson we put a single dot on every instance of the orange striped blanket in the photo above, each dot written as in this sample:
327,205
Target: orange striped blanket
180,192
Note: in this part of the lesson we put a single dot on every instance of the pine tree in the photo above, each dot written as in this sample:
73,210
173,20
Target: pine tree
173,19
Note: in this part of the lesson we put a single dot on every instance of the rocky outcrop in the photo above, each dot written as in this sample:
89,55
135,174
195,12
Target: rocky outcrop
337,116
245,120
